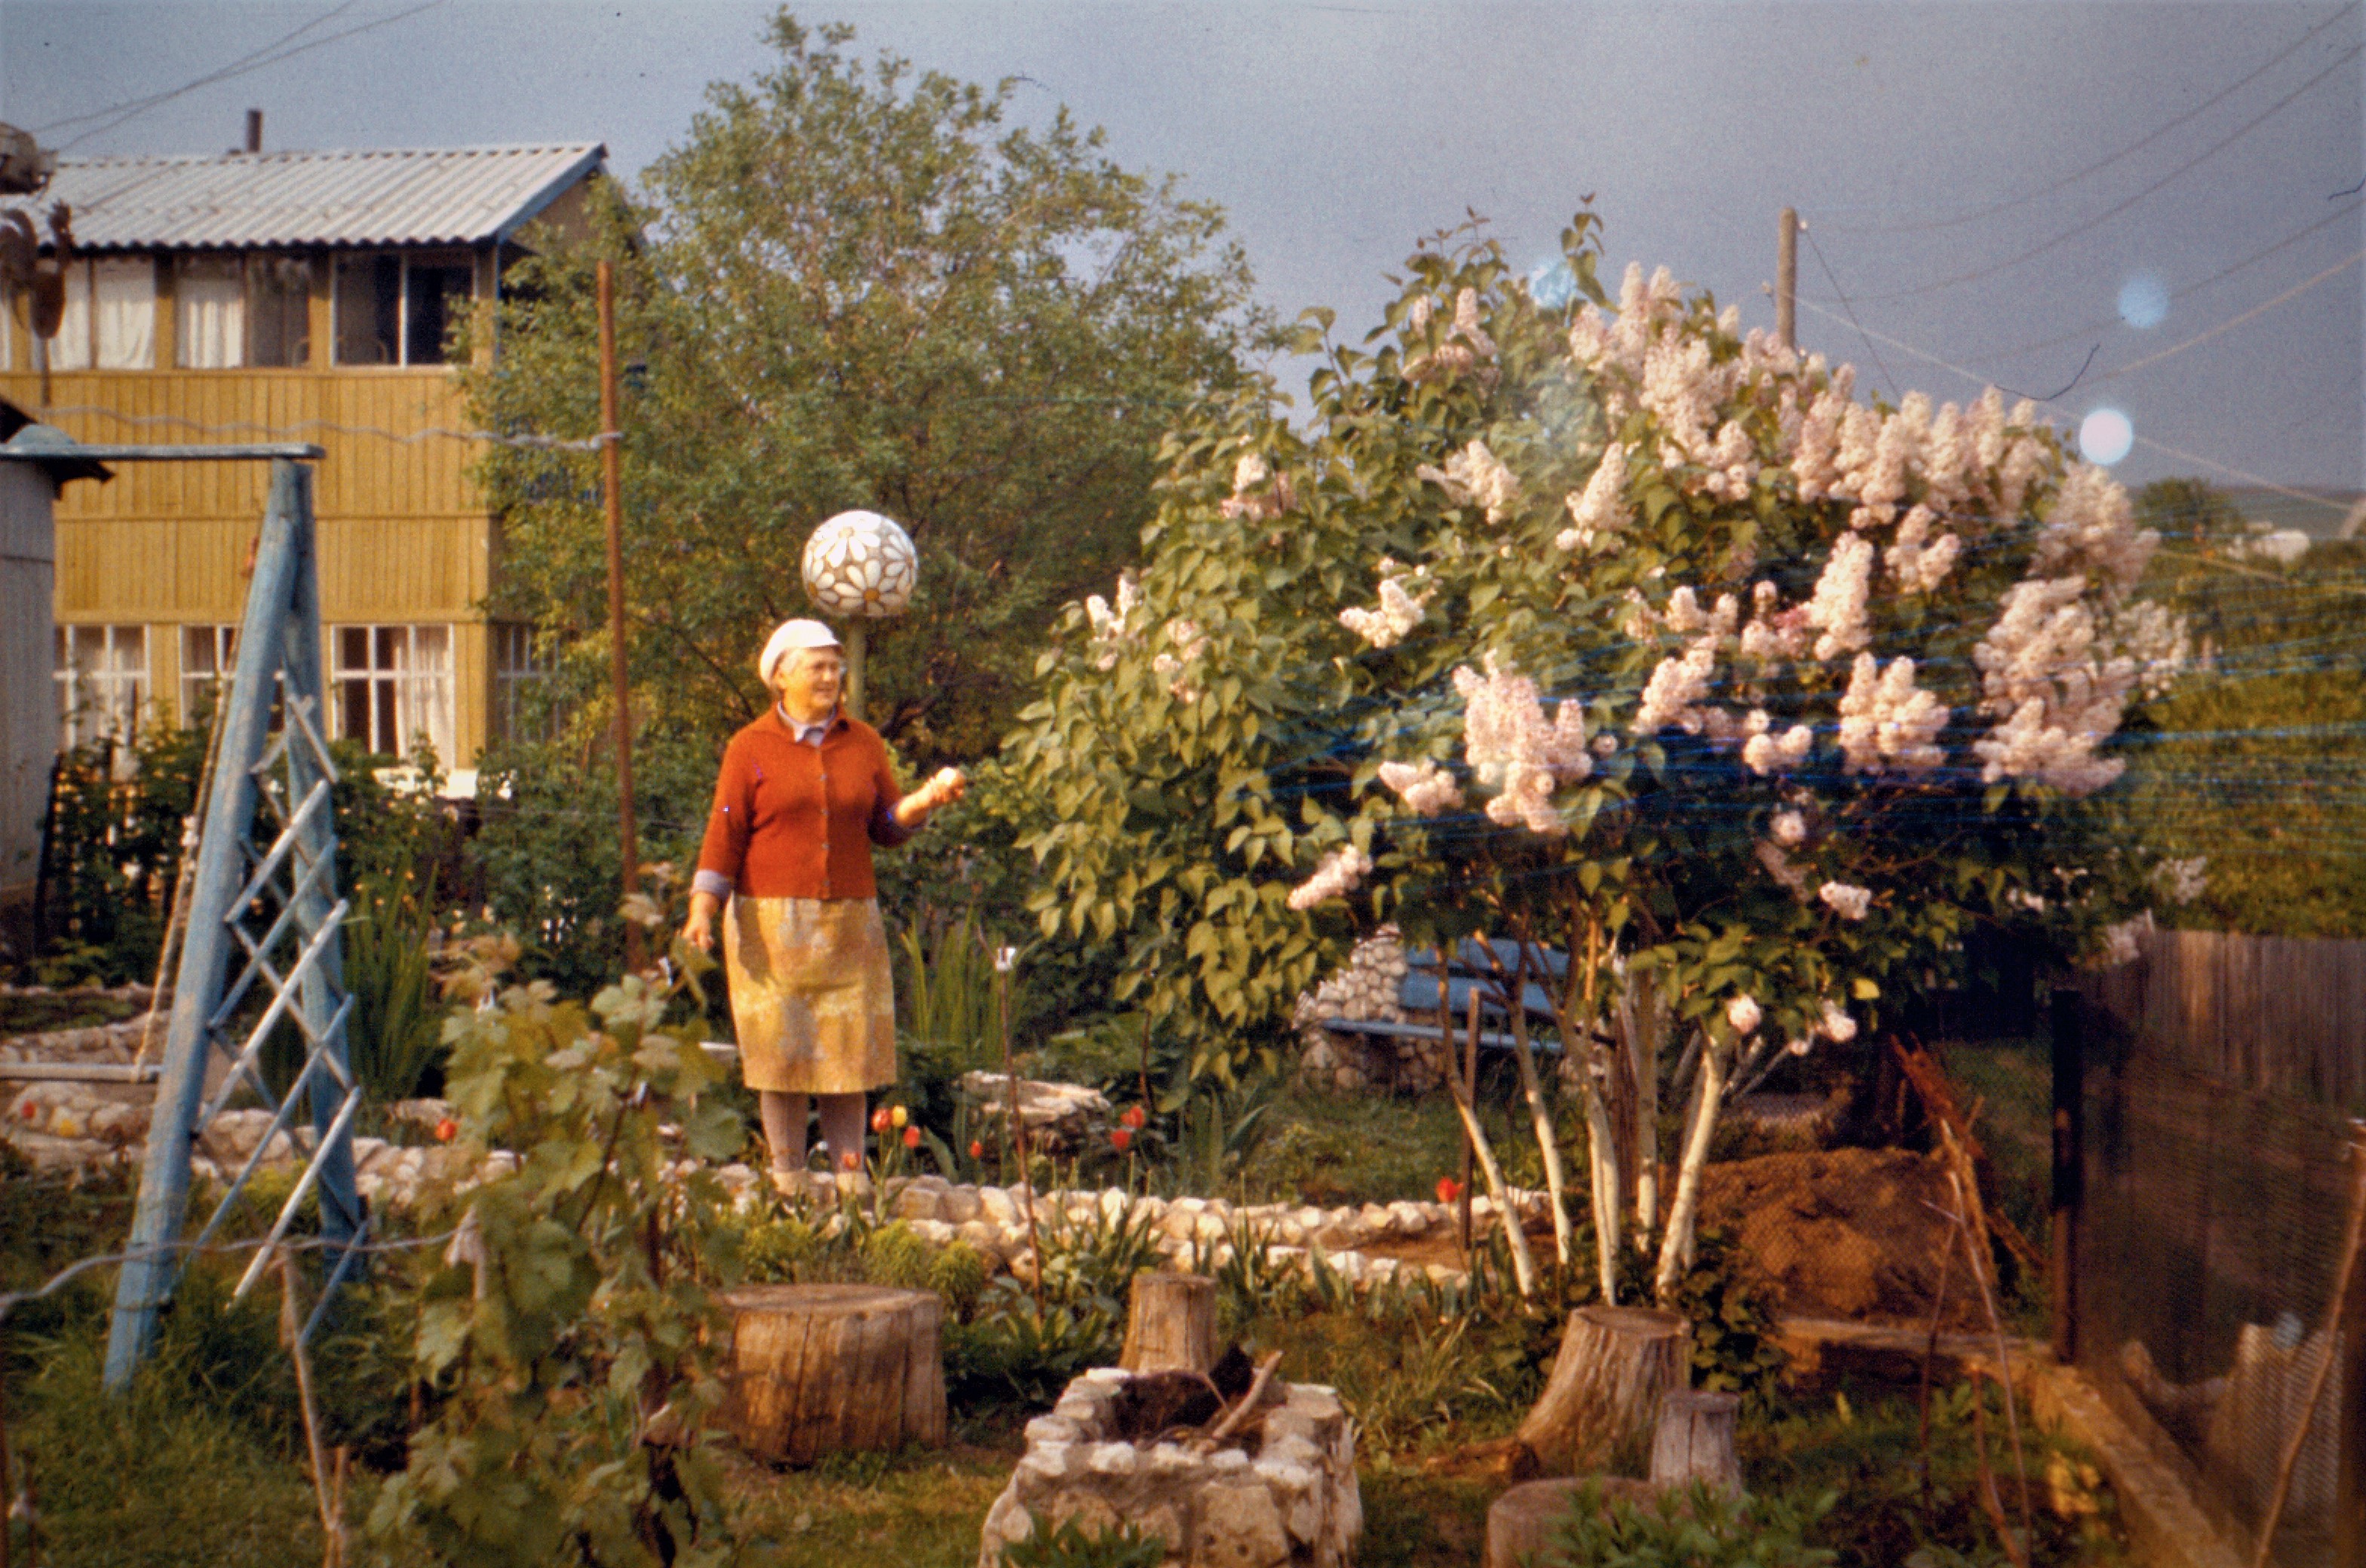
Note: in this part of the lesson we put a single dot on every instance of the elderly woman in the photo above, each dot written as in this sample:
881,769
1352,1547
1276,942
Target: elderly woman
805,792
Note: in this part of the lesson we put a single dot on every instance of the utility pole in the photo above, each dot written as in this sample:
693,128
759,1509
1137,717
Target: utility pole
611,437
1786,279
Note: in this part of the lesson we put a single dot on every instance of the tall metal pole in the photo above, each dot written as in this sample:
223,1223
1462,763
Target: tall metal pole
611,437
1786,279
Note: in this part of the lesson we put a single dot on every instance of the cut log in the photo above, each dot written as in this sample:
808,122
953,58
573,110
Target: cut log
1524,1524
826,1368
1603,1399
1695,1440
1170,1325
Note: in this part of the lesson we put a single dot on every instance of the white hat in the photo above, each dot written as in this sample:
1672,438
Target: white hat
787,639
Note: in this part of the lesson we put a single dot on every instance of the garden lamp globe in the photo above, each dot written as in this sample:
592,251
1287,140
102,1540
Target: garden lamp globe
860,567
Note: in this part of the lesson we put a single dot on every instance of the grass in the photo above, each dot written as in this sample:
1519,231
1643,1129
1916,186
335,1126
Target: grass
919,1508
60,1009
1334,1149
2012,1082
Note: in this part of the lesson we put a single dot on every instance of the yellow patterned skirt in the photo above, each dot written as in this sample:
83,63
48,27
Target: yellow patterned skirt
812,994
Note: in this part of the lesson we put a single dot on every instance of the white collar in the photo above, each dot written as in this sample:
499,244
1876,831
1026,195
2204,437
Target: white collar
806,734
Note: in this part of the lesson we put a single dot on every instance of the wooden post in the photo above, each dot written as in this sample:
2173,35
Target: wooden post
1616,1365
1470,1093
826,1369
858,649
1786,279
1170,1323
1693,1440
611,484
2070,1176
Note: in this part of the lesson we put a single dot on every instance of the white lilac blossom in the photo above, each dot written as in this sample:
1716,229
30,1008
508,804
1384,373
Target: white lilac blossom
1475,474
1190,643
2120,945
1887,722
1257,492
1398,613
1509,746
2182,881
1765,752
1600,510
1744,1014
1781,868
1467,347
1920,562
1839,606
2059,697
1836,1025
1789,827
1845,899
1674,692
1109,633
1337,873
2091,526
1426,787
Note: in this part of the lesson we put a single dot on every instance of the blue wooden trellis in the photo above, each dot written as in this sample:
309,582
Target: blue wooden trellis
262,948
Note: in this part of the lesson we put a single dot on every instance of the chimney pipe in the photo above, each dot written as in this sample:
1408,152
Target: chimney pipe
254,131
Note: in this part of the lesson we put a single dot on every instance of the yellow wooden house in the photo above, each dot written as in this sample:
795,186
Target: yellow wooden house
287,296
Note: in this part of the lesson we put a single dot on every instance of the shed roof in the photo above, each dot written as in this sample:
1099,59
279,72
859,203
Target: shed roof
451,195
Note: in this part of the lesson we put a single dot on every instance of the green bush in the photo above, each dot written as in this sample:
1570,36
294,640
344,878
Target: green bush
1068,1546
1697,1527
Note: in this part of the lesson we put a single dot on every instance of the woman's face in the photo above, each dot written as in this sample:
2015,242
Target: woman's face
809,682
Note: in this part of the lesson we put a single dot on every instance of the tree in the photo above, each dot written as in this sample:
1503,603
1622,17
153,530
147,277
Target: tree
854,287
1839,679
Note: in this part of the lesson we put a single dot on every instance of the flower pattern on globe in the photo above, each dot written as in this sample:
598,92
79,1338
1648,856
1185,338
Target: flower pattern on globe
860,563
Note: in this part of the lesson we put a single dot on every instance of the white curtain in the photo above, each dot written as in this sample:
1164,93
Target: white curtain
70,350
209,314
428,690
124,298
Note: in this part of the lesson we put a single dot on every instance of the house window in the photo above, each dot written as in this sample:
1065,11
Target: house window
395,309
102,681
209,658
235,310
391,686
518,676
110,316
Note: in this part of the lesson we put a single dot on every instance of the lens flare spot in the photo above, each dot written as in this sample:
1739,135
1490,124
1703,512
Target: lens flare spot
2105,435
2144,300
1552,284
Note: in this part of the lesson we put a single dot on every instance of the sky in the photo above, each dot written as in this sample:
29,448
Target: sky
2150,210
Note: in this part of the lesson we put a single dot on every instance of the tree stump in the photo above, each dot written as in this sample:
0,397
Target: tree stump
1524,1525
1603,1399
1170,1323
825,1369
1695,1440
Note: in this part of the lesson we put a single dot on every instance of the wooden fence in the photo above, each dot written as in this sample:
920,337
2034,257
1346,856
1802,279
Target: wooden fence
2279,1015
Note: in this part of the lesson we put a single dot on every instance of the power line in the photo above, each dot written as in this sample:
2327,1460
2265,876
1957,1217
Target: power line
283,40
2098,166
2228,325
1851,310
2116,209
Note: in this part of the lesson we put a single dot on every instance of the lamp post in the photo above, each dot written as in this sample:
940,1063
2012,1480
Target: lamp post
860,567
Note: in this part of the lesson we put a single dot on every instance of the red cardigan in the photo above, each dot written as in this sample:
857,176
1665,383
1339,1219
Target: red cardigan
794,821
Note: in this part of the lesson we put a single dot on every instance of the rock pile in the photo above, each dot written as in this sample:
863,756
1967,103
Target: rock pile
1286,1497
1364,989
1060,1118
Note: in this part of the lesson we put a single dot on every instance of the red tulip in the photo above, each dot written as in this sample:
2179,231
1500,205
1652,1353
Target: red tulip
850,1160
446,1130
911,1137
879,1120
1134,1116
1448,1190
977,1149
29,1111
1120,1137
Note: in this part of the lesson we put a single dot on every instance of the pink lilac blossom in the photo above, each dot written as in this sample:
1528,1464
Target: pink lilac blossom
1836,1024
1398,613
1190,643
1839,605
1601,509
2059,697
2091,526
1466,345
1845,899
1742,1012
1764,753
1109,633
1781,868
1337,873
1887,721
1509,746
1920,562
1426,787
2182,881
1475,474
1675,691
1789,827
1258,494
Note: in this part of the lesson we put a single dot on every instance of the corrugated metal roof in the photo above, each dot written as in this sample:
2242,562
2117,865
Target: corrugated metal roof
452,196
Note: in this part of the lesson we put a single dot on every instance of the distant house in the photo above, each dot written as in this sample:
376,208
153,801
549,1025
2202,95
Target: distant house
28,718
293,296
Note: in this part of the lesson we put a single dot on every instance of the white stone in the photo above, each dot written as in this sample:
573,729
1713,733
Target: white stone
1050,1430
936,1232
1051,1461
960,1206
1112,1459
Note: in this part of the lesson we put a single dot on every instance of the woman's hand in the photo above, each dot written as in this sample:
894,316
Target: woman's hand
699,929
947,787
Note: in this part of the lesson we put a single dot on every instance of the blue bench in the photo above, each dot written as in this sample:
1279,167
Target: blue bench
1469,968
